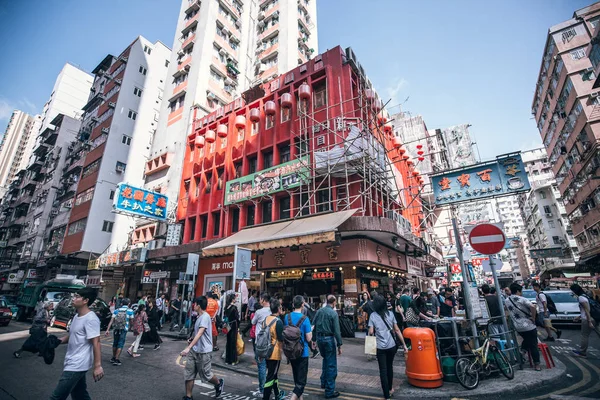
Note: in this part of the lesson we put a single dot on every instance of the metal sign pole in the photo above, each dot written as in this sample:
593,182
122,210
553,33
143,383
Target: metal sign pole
497,286
157,286
235,260
465,285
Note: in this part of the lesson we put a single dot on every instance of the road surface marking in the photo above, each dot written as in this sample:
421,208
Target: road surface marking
586,379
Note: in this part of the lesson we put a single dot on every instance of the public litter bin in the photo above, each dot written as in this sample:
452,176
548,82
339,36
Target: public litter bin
423,363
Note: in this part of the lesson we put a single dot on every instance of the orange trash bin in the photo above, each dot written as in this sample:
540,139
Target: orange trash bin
423,367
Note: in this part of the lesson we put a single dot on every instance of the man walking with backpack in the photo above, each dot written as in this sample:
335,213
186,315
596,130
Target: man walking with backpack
327,331
120,324
545,306
257,321
268,347
296,336
589,315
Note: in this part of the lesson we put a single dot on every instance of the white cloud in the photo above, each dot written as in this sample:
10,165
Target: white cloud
395,92
6,109
28,106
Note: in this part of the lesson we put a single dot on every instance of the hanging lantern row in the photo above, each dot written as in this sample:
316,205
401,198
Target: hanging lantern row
255,115
240,122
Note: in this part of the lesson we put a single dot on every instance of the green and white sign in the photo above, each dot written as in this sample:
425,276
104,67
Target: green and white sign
284,176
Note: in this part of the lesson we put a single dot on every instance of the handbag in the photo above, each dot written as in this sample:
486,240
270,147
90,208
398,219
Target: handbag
240,345
411,316
146,327
393,333
370,345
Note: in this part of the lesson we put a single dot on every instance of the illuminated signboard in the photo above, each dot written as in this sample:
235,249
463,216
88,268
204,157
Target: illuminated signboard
284,176
140,202
323,275
504,176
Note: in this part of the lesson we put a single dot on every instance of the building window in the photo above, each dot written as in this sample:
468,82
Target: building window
267,160
216,224
137,92
320,97
251,165
284,208
286,114
284,154
235,220
250,211
107,226
269,121
323,200
255,126
90,169
77,226
595,55
147,50
132,115
126,140
111,196
142,70
208,183
220,178
547,209
204,224
84,196
556,239
267,209
551,224
167,63
543,194
120,166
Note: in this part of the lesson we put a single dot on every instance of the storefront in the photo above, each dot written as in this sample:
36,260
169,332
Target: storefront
216,273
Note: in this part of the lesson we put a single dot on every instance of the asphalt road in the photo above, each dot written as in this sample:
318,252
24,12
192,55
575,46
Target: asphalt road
158,374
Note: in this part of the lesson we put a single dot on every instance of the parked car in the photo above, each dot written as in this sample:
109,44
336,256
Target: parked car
11,301
64,313
5,313
566,305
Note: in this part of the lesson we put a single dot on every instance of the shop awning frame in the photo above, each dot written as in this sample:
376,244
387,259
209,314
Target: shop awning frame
577,274
302,231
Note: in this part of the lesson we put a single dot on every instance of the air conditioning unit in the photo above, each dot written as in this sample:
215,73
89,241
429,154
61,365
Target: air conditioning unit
181,53
124,59
261,15
262,68
54,212
589,69
548,214
238,23
112,104
228,81
594,94
120,168
261,24
119,81
224,31
222,51
105,130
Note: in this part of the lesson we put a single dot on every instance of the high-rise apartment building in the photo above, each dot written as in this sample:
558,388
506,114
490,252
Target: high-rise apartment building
566,108
113,145
16,146
26,210
221,49
546,219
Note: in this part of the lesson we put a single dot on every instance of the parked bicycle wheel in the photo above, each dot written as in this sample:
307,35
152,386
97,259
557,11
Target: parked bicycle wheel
502,363
467,374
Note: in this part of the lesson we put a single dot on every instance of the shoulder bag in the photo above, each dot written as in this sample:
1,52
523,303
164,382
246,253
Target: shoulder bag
392,332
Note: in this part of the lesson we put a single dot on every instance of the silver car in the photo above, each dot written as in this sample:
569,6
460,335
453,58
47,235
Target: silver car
567,306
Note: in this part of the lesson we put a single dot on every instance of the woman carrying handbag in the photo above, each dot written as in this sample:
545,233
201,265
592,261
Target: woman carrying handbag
140,325
382,324
233,318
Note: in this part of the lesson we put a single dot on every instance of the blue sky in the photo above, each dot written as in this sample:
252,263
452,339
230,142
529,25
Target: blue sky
456,61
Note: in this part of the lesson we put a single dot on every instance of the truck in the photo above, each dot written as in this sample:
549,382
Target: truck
54,290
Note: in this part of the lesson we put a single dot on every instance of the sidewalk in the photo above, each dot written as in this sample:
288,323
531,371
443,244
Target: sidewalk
358,374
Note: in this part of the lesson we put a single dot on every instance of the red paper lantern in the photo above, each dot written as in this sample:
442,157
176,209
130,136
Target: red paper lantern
240,122
199,141
419,146
255,115
420,152
222,130
304,91
270,108
210,136
397,143
286,100
421,158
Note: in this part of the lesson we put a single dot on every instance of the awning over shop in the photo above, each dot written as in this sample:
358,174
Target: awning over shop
303,231
577,274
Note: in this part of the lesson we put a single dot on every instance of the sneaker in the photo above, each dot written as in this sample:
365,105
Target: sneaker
129,352
315,353
558,333
112,360
156,346
118,363
549,339
219,388
282,395
140,347
257,393
17,354
579,353
187,398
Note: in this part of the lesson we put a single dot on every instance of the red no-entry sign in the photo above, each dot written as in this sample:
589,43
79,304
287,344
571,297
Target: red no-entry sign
487,239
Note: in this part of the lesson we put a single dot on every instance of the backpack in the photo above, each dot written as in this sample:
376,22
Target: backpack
594,309
293,345
263,344
120,321
550,304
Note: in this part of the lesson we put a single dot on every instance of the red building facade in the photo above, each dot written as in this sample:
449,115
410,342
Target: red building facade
311,142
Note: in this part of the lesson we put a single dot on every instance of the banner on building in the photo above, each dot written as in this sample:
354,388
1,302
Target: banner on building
140,202
192,264
415,267
284,176
133,256
16,277
173,235
31,274
242,262
504,176
550,252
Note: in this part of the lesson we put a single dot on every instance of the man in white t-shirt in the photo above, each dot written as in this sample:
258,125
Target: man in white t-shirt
83,351
522,314
588,324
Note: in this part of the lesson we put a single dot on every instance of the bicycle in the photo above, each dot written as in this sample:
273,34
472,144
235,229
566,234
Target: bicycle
468,370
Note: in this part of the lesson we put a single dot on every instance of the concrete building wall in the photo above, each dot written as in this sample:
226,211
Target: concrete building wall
13,147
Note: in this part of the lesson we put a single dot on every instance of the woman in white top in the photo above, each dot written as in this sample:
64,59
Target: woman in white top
587,322
382,323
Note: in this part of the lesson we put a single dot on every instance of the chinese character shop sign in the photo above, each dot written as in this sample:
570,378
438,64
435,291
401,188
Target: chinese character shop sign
506,175
141,202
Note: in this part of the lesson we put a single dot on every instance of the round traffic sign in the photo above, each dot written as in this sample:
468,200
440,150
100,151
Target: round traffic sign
487,239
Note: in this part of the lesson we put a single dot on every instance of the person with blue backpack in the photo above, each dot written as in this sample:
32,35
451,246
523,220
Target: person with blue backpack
589,317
